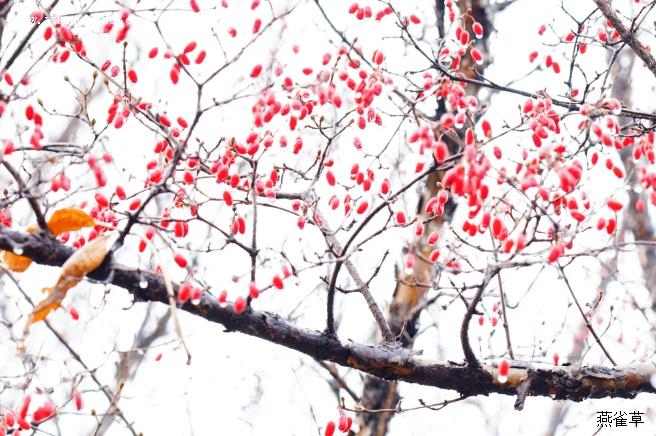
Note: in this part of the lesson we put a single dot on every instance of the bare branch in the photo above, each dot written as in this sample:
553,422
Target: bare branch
388,362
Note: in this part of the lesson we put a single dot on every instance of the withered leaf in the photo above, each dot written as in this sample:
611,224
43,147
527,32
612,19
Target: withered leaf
82,262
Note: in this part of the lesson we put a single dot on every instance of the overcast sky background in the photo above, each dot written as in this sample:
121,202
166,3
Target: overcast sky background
240,385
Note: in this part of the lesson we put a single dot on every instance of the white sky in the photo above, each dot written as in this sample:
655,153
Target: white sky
240,385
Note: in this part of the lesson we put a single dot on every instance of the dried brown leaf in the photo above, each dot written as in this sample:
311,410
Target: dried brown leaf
82,262
18,263
15,262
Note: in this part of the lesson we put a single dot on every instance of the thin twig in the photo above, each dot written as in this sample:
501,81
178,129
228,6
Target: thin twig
32,200
585,318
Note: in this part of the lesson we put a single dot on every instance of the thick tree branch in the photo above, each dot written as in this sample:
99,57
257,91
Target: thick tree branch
388,362
628,35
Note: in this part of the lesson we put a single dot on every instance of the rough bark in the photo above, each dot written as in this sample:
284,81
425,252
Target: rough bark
386,362
627,34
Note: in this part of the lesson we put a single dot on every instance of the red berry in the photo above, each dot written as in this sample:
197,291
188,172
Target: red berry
378,57
44,412
487,128
478,29
25,406
77,399
101,200
74,313
533,56
610,227
277,282
134,204
400,218
555,253
385,187
174,75
184,292
345,423
440,152
120,192
256,25
240,304
330,429
190,47
477,55
614,205
257,69
504,366
253,290
132,75
180,260
180,229
227,197
330,178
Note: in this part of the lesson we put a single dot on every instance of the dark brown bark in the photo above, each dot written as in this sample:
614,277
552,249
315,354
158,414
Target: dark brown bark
386,362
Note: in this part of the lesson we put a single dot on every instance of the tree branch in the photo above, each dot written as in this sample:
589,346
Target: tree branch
31,198
470,357
388,362
628,35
